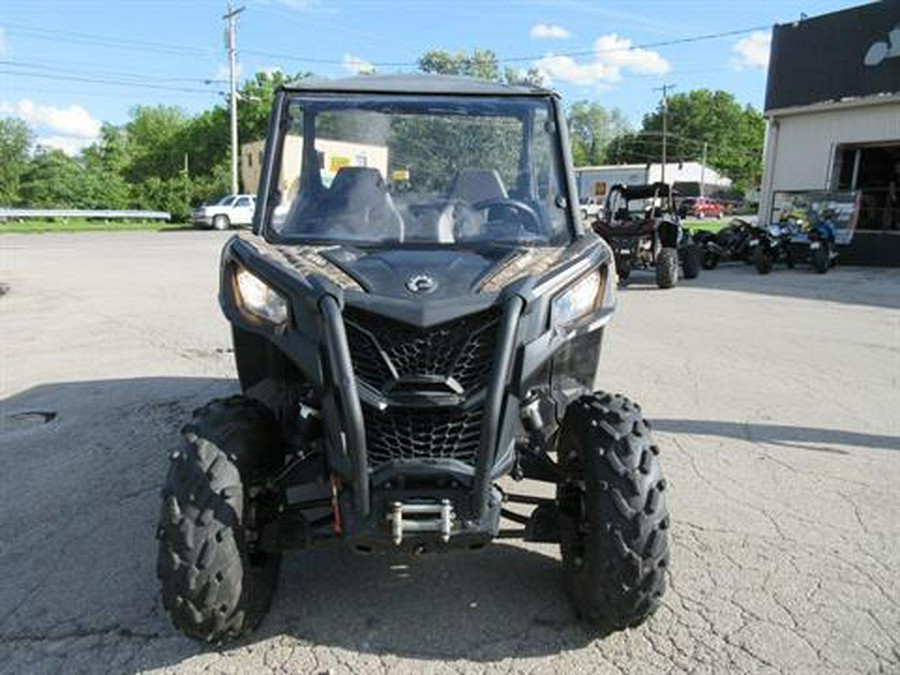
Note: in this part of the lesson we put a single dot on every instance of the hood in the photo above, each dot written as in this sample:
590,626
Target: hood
435,274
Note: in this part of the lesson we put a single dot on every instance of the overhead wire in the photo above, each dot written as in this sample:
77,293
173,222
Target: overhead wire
94,39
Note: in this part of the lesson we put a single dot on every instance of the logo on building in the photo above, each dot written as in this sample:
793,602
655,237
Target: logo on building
882,50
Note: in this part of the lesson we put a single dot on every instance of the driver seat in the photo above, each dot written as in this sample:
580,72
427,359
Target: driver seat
477,185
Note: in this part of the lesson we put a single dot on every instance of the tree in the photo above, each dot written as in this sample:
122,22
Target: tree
591,129
105,163
206,141
733,134
531,77
53,180
15,144
481,63
155,138
255,102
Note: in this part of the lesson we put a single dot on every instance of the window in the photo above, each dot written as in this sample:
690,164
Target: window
421,170
873,170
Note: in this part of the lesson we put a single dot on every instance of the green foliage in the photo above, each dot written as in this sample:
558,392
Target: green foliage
435,149
55,180
105,163
165,159
15,143
481,63
255,102
206,142
155,136
734,135
591,129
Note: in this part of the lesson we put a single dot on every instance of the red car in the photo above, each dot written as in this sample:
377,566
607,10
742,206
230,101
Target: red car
701,207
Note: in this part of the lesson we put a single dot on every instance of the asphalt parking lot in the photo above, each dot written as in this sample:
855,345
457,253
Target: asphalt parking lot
775,400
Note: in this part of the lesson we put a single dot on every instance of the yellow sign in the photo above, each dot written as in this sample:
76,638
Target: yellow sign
338,162
400,174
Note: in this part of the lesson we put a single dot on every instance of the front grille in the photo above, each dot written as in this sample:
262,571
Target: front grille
416,434
462,349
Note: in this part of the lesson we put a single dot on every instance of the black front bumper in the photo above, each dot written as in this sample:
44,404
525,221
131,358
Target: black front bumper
346,409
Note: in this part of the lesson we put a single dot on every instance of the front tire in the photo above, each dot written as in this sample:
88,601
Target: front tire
613,517
821,259
214,585
667,267
710,260
690,262
623,269
762,260
221,223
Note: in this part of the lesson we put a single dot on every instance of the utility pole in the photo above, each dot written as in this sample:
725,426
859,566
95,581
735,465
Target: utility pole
703,170
231,19
665,135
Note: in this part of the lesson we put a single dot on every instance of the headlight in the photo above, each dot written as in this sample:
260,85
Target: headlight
259,299
580,299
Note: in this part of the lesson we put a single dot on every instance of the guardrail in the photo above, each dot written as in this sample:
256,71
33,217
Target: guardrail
105,214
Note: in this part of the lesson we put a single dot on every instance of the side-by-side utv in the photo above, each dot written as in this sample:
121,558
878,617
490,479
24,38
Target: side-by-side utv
644,231
417,320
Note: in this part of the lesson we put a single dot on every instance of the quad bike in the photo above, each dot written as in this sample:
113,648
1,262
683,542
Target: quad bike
729,243
410,327
770,245
650,236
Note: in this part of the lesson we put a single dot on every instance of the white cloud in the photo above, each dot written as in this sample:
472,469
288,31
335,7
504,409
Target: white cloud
566,69
69,129
612,56
752,51
70,145
72,121
544,31
356,65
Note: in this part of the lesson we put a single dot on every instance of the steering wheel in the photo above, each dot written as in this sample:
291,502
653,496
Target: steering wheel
534,225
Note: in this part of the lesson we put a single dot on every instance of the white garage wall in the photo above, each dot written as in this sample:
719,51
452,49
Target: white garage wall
800,152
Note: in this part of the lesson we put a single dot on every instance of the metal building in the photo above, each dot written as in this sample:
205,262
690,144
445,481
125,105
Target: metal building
833,110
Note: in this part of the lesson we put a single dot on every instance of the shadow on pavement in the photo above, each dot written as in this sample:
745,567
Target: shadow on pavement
805,438
79,501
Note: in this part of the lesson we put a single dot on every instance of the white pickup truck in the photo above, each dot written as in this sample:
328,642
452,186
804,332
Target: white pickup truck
231,210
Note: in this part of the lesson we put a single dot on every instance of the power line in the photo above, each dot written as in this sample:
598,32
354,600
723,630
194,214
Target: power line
140,77
180,50
116,83
648,45
699,141
96,40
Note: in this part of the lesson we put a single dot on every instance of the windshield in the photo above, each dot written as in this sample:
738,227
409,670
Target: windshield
418,170
225,201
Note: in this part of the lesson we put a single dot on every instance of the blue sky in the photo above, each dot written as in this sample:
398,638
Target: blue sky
67,65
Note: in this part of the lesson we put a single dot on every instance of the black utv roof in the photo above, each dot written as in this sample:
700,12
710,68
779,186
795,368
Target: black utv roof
416,83
645,191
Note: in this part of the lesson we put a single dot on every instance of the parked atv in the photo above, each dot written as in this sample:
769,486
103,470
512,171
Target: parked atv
644,232
729,243
410,327
822,249
770,245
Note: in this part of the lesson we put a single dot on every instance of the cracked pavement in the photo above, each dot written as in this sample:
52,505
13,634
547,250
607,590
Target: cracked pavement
774,399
